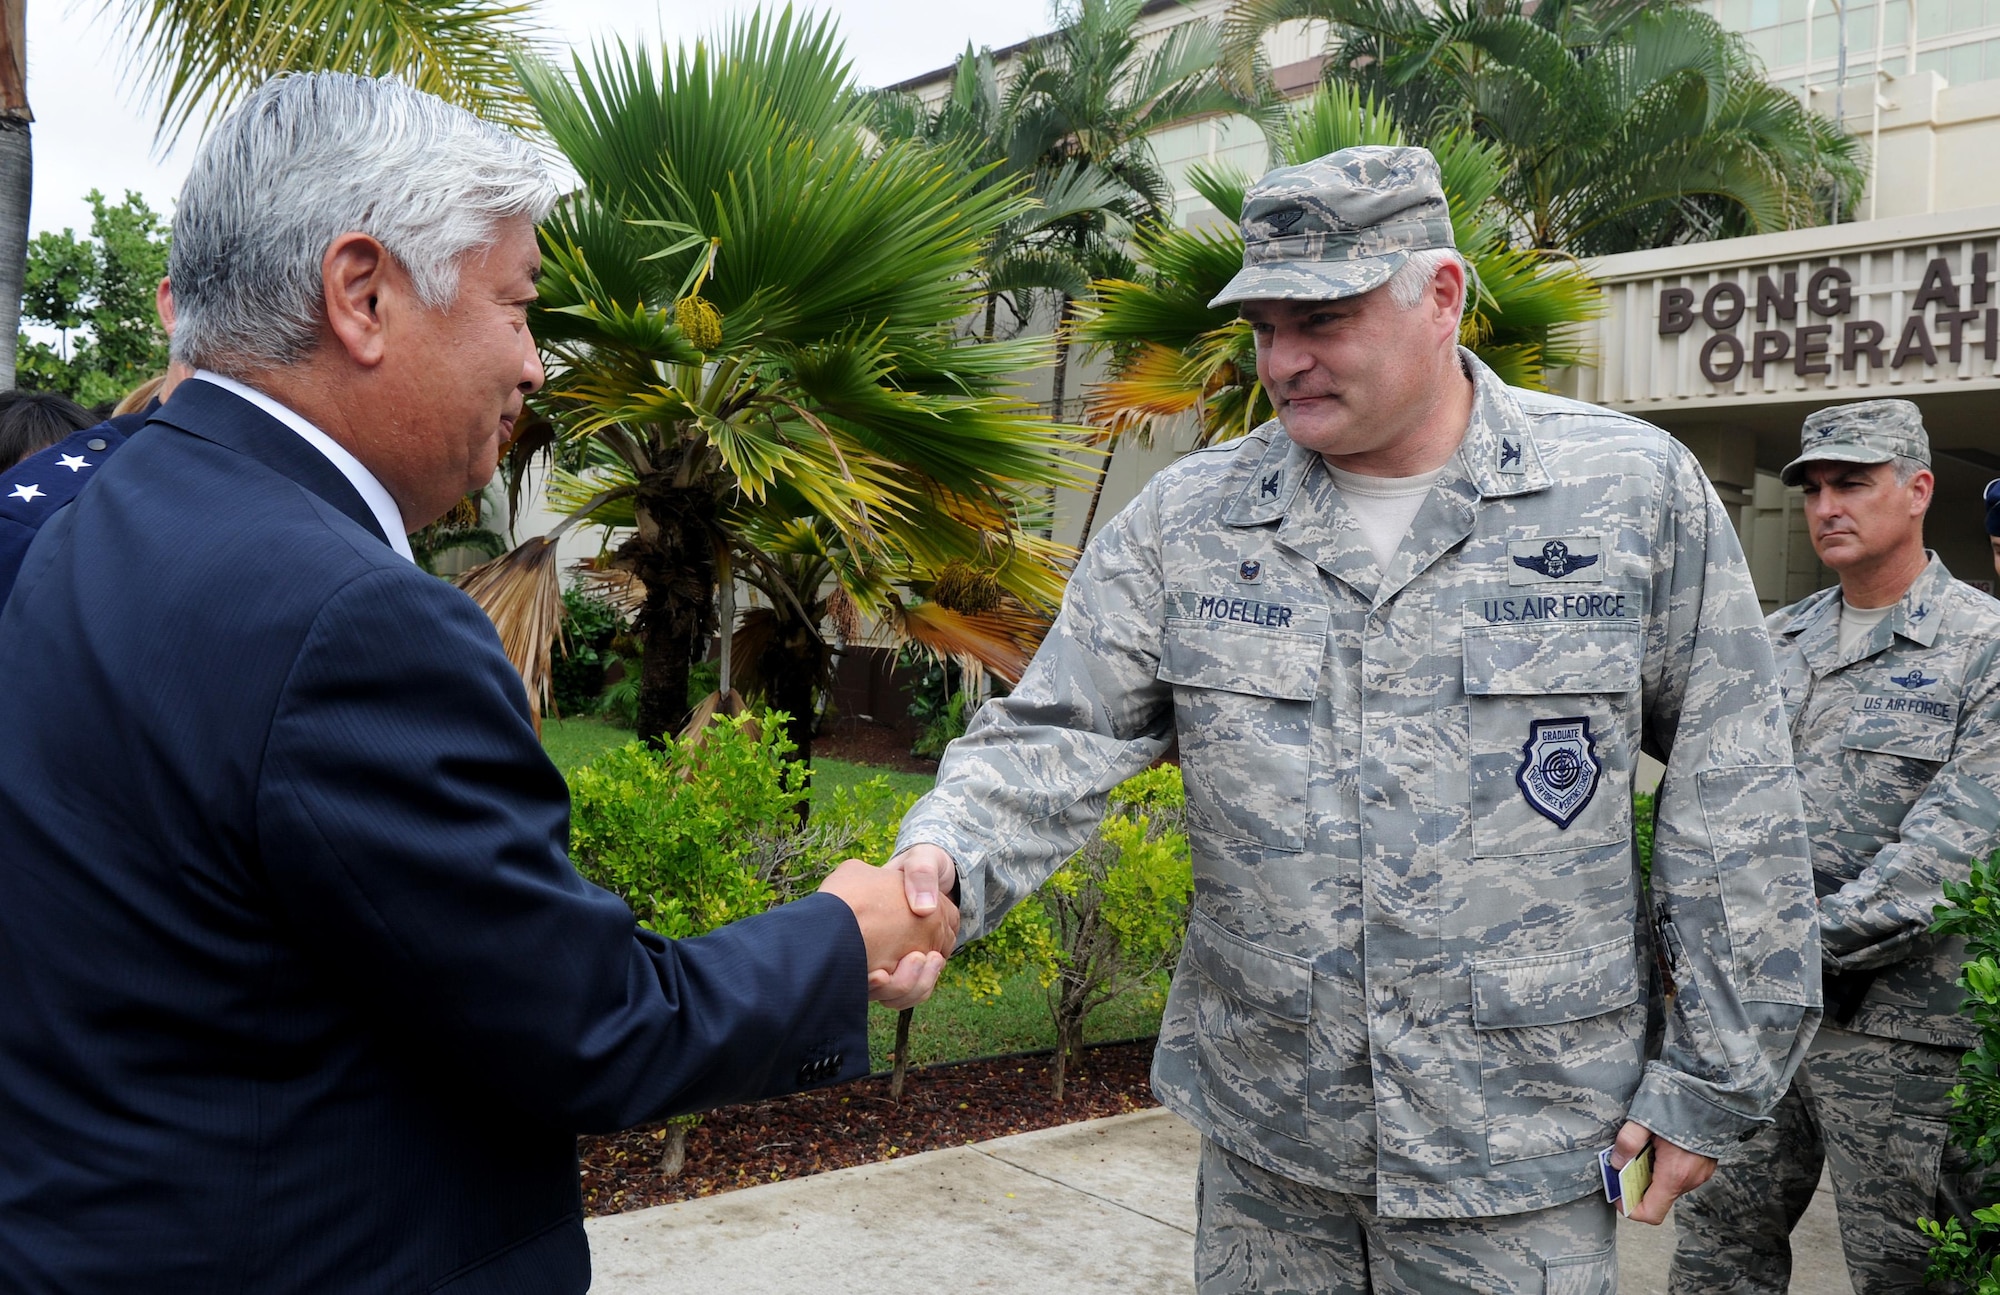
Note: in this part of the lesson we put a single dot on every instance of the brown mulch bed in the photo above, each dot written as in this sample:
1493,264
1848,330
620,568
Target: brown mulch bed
857,1124
870,742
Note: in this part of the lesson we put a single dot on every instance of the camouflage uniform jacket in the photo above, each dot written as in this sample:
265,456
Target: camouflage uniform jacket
1417,953
1899,753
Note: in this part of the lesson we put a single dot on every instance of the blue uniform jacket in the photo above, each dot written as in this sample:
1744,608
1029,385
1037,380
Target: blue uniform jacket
301,993
32,490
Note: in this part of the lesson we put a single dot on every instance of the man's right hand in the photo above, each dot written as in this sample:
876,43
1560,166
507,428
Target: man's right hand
906,950
928,875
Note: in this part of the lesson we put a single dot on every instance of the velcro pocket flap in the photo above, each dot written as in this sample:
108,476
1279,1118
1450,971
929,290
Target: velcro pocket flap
1548,988
1273,982
1923,1095
1240,658
1919,735
1563,657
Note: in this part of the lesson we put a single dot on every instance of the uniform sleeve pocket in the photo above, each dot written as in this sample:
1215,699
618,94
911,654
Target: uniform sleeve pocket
1535,660
1561,1040
1764,878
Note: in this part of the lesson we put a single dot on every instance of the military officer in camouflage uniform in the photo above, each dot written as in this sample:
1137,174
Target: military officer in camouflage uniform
1893,697
1412,1005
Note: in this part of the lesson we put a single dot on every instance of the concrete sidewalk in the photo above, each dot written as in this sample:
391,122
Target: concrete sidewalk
1102,1206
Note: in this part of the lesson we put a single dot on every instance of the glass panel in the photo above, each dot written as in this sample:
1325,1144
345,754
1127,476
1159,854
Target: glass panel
1967,14
1736,14
1933,61
1895,26
1966,63
1791,10
1763,13
1933,18
1791,44
1993,56
1993,13
1861,31
1764,43
1826,39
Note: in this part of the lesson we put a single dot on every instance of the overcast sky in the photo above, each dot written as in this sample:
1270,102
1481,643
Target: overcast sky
92,129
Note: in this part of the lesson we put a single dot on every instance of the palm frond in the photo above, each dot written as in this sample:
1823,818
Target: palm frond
197,60
522,594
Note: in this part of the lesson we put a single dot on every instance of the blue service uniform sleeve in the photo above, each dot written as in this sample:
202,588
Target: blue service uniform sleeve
415,833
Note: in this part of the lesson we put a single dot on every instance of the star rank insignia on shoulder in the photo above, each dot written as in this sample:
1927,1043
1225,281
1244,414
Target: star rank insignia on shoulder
34,488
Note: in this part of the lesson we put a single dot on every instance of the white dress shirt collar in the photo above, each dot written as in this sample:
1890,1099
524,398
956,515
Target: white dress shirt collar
371,491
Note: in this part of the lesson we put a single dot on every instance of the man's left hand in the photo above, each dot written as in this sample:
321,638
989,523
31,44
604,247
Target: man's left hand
1675,1170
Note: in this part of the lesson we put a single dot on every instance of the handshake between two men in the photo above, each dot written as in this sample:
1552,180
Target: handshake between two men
907,920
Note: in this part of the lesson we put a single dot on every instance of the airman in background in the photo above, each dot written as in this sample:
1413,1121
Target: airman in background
1893,699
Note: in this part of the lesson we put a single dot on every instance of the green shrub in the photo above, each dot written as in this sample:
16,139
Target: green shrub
577,673
1110,920
1969,1258
705,831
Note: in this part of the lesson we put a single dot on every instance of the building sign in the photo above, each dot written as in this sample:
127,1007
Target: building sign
1944,317
1889,307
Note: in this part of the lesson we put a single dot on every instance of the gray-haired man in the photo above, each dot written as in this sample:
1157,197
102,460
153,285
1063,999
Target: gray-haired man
1893,696
302,993
1412,636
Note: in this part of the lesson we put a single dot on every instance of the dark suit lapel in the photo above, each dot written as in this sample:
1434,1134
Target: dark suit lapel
206,410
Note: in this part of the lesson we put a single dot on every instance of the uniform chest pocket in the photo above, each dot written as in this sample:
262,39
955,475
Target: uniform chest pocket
1900,727
1243,701
1548,709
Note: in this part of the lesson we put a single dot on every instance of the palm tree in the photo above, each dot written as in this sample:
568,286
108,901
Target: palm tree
973,124
1091,94
198,57
1172,355
751,306
1624,124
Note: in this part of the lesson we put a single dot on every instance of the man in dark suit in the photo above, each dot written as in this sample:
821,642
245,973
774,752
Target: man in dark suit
301,991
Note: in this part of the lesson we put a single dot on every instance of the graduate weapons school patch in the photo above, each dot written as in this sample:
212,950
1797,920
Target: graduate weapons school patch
1559,768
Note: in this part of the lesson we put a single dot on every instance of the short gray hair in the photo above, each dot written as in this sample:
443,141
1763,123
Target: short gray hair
1906,468
1406,287
307,158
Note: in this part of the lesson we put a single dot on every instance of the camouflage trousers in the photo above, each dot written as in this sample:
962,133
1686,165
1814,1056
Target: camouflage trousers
1875,1110
1259,1231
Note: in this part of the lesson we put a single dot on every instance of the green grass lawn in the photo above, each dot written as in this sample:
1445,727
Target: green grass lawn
575,742
572,743
951,1026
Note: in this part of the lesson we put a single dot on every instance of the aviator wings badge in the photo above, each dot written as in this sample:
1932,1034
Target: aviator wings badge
1556,561
1559,768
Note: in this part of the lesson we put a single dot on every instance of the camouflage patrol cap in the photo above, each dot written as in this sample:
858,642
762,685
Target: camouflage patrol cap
1869,431
1339,225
